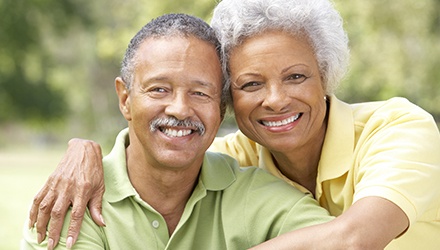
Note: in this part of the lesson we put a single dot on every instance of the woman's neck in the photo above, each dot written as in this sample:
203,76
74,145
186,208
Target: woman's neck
301,165
300,170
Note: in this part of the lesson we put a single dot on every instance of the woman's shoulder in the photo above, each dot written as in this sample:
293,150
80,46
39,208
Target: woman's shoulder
391,109
395,104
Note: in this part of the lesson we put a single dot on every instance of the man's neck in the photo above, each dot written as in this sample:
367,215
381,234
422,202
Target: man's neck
166,190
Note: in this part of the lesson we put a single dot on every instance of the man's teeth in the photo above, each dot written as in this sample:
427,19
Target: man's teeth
176,133
280,123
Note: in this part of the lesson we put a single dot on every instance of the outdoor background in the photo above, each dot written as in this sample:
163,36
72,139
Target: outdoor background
58,61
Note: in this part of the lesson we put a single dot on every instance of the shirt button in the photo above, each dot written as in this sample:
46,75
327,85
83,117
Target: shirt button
155,224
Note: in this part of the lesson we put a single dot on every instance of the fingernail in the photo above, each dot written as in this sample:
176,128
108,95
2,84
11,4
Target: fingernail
50,244
102,219
39,237
69,242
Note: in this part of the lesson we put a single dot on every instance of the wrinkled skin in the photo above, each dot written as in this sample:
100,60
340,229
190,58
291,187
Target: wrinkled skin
78,181
276,94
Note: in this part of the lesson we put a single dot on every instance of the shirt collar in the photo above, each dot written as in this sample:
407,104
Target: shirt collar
216,173
117,183
337,150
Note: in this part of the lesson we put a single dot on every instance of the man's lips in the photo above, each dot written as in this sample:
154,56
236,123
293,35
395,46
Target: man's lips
176,132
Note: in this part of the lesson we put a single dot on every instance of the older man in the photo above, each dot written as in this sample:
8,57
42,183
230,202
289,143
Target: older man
164,191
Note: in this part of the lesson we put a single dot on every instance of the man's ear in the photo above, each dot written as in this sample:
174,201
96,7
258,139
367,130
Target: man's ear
124,98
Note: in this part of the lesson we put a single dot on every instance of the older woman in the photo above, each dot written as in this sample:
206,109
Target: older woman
374,165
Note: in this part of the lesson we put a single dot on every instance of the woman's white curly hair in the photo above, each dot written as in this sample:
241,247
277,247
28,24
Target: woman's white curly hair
318,20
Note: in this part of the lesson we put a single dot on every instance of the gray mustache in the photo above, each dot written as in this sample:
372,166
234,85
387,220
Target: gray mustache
173,122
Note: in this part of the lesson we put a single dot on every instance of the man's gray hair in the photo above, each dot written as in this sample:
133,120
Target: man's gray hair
169,25
317,20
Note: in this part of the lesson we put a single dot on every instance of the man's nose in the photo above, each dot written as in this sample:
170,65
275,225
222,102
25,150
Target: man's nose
180,106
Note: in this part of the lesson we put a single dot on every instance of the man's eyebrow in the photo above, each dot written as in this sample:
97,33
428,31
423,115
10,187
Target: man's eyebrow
203,83
156,78
165,79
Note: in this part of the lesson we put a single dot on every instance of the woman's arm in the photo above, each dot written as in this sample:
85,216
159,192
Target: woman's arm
78,181
90,237
370,223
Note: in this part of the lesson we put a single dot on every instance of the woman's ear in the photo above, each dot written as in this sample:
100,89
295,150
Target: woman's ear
124,98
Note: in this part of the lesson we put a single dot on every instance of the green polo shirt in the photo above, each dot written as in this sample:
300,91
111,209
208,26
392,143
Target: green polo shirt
230,208
388,149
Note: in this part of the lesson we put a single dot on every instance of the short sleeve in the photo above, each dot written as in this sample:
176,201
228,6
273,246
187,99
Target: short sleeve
400,159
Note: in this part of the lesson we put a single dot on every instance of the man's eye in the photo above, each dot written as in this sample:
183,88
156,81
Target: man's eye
161,90
200,93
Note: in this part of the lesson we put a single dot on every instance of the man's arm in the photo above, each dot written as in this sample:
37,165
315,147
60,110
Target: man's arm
370,223
78,181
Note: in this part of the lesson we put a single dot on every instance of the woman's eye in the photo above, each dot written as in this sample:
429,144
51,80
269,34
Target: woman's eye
297,78
200,93
250,86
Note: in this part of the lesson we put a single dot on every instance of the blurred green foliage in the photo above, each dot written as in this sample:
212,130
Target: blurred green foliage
395,51
58,59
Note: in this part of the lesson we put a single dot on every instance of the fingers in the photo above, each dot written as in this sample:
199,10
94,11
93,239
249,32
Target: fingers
95,207
77,180
76,218
57,218
95,203
33,213
94,199
43,216
56,221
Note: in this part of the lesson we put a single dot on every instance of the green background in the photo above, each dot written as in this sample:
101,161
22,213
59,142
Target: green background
58,61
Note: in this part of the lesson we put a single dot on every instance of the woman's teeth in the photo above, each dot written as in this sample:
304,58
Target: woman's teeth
282,122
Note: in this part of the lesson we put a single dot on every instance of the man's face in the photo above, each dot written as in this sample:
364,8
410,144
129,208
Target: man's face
176,79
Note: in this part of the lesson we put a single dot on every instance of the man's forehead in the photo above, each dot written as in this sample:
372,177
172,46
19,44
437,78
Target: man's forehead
189,57
162,46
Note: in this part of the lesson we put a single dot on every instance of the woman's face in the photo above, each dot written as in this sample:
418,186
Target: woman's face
277,91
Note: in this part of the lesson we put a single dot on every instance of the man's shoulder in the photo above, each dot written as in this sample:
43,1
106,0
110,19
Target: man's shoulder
250,179
257,199
241,173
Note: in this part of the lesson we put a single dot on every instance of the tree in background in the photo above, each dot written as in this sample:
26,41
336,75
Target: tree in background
58,59
395,48
26,91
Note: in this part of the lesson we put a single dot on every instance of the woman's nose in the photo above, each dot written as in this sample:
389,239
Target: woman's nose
276,97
